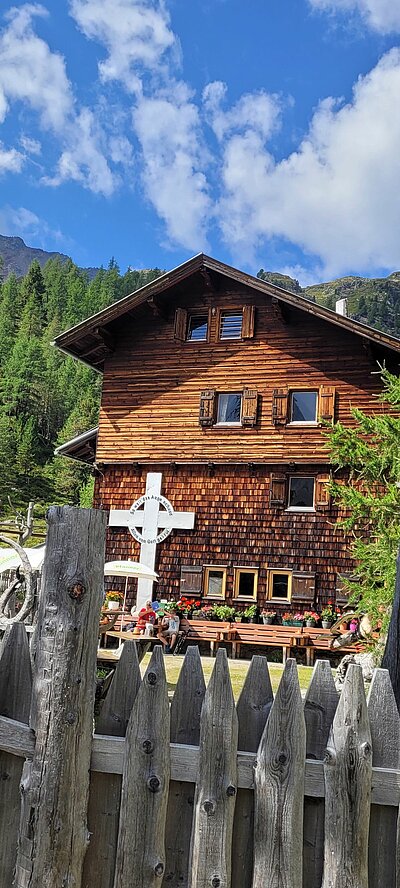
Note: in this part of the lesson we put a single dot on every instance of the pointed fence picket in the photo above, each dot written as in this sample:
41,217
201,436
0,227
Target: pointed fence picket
193,792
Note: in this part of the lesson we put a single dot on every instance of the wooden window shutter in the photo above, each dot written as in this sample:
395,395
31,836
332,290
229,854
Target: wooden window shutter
326,404
181,322
207,407
249,312
278,490
280,406
303,586
322,494
191,579
342,592
249,407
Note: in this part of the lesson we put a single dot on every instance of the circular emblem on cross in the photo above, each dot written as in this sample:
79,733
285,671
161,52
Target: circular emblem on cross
149,536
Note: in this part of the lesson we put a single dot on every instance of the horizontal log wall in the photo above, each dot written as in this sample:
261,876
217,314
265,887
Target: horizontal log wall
152,383
234,525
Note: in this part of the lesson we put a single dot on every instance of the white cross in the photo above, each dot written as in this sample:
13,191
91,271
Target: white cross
155,526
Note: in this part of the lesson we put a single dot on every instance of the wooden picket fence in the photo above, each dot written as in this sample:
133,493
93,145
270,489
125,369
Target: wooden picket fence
196,792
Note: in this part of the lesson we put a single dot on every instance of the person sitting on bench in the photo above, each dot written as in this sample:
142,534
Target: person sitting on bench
169,628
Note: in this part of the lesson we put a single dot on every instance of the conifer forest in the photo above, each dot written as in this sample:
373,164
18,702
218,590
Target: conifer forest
45,397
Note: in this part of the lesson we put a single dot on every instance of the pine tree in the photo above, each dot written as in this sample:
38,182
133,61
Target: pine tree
371,452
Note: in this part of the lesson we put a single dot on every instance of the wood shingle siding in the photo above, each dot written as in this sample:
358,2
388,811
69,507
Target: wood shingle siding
234,524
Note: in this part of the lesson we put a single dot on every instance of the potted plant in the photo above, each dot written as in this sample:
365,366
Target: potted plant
287,619
298,619
328,616
268,617
251,612
238,616
208,612
113,599
224,613
185,606
311,618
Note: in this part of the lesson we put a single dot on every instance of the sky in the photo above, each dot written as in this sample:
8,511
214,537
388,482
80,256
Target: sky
265,133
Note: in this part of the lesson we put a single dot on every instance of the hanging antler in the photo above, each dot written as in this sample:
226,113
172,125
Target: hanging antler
29,587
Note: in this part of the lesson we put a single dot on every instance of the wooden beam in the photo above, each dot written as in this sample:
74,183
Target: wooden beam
158,310
108,757
281,310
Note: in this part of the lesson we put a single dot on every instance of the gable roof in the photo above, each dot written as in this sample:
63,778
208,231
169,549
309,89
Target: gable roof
91,340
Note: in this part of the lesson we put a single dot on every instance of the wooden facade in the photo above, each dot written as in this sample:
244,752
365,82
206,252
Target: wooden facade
163,406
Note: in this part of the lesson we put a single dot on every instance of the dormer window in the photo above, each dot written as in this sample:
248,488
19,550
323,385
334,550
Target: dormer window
197,328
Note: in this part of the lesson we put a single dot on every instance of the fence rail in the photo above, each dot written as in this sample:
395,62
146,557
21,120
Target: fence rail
196,792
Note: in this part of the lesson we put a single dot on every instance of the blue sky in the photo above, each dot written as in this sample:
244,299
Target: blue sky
265,133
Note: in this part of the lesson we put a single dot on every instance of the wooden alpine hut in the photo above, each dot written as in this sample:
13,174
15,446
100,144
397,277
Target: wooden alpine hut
211,451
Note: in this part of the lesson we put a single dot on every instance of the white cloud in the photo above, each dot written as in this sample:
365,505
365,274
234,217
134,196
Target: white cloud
83,159
336,196
30,72
31,146
168,129
380,15
257,111
11,161
24,223
136,34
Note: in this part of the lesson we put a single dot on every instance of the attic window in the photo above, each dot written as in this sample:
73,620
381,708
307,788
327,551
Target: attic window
198,328
231,325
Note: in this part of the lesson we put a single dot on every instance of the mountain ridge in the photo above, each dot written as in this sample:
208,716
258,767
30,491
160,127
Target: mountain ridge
373,301
17,257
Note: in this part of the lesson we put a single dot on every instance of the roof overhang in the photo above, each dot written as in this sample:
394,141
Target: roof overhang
82,448
92,341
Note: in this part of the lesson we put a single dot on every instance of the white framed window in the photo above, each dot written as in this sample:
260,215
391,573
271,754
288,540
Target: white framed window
229,408
280,585
303,407
197,330
214,581
245,582
301,493
230,326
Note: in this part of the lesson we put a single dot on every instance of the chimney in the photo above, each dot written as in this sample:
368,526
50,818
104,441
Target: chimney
341,307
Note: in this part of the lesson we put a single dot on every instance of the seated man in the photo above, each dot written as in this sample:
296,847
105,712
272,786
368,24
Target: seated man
145,615
169,628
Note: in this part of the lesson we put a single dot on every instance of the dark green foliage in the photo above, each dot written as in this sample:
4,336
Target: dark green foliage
39,406
371,451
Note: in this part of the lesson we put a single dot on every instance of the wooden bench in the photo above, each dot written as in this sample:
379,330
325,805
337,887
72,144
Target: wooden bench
209,630
315,639
286,637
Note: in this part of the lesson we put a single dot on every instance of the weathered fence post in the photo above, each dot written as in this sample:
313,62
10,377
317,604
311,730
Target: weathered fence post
15,702
279,790
391,656
217,783
55,784
319,710
253,708
185,728
105,789
348,773
140,861
384,722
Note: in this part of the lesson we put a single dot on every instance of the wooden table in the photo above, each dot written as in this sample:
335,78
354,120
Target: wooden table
143,642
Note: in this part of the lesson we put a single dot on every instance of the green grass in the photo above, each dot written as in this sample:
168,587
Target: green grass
237,668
